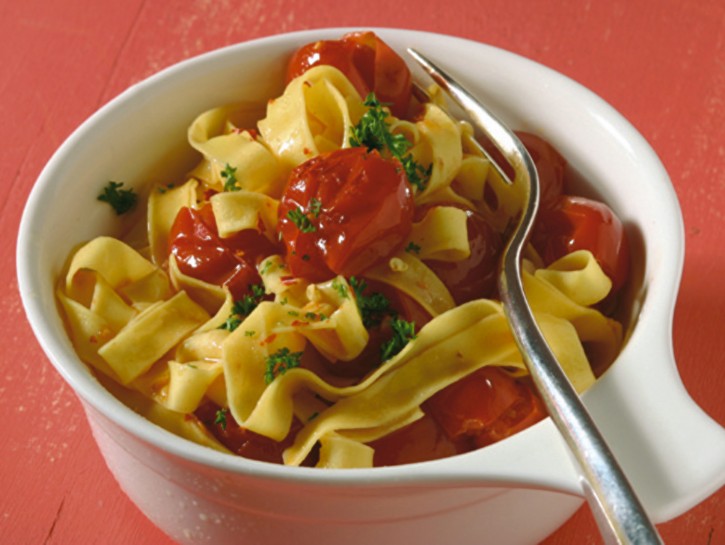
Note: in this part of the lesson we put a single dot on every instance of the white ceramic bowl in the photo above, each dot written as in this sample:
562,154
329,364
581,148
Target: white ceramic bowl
514,492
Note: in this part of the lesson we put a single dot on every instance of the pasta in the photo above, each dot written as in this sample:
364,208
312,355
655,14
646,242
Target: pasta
266,306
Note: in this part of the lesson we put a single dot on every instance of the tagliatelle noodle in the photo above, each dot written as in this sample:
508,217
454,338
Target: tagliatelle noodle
164,204
315,114
413,277
175,422
209,296
223,145
440,147
151,334
236,211
442,234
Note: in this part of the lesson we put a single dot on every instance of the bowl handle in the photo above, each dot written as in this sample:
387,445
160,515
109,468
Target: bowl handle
670,449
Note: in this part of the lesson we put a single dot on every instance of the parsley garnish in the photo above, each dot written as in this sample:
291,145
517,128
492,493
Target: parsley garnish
121,200
340,287
244,307
412,248
374,308
403,333
267,268
221,418
280,362
230,178
373,132
300,219
315,207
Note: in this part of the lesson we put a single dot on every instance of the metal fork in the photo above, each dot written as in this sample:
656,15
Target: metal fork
619,514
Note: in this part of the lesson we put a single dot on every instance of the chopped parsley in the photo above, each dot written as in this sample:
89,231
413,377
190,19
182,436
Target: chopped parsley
373,132
221,418
341,288
301,220
280,362
412,248
315,207
374,308
230,178
268,267
244,307
403,333
121,200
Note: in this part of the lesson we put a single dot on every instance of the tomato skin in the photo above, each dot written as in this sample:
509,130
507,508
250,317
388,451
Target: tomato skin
578,223
549,163
550,166
368,62
474,277
246,443
419,441
366,211
488,405
202,254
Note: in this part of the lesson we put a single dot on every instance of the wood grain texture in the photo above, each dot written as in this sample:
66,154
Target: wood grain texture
660,63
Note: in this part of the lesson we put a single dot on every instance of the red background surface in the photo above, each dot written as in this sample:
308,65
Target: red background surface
660,63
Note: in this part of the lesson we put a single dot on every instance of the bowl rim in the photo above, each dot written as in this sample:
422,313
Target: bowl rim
93,394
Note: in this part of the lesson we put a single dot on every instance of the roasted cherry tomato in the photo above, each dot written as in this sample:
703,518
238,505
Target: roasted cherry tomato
578,223
475,276
368,62
244,442
202,254
420,441
343,212
549,164
486,406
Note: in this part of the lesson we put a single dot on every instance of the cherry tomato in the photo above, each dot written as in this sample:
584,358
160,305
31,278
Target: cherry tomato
420,441
368,62
549,164
474,277
343,212
247,443
202,254
578,223
486,406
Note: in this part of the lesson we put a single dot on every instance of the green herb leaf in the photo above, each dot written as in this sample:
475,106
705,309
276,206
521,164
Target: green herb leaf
341,288
230,178
244,307
300,219
373,132
121,200
315,207
374,308
221,418
403,333
412,248
280,362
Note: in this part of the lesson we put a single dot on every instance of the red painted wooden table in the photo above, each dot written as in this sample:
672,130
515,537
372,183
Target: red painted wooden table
661,63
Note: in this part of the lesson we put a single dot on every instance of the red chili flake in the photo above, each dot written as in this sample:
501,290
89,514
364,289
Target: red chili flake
298,323
268,340
288,279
